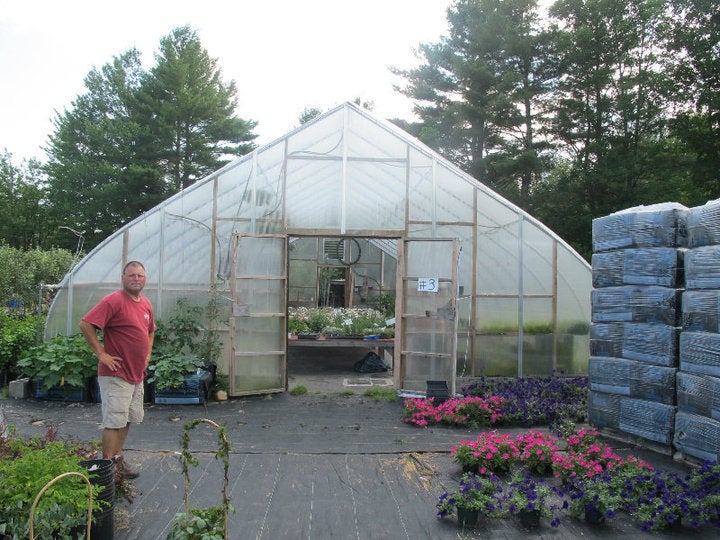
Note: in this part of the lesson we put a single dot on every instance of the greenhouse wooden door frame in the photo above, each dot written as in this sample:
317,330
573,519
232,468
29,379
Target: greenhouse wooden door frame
258,363
426,313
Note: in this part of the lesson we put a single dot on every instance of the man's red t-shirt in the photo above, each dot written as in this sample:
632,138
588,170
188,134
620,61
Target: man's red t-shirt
126,326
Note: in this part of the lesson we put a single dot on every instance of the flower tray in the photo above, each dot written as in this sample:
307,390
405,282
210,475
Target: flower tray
194,391
57,393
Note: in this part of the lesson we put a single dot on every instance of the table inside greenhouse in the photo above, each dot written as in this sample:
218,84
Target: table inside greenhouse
379,346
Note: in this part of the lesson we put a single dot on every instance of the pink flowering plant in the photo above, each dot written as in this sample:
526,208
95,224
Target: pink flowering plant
588,462
467,411
582,439
490,453
537,450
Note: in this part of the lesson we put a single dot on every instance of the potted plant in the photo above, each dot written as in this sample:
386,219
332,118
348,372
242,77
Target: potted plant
60,368
584,458
537,450
600,495
475,496
296,326
528,498
179,360
661,499
595,499
491,452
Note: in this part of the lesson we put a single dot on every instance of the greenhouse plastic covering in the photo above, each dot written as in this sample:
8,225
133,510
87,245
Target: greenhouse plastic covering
343,174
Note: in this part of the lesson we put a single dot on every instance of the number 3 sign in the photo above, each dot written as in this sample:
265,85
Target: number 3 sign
428,284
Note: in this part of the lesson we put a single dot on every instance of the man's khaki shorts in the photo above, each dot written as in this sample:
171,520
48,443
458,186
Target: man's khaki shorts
122,402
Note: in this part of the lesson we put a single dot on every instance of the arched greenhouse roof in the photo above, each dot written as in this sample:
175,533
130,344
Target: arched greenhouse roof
343,174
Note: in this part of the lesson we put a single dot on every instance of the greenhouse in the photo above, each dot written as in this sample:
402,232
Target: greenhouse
343,211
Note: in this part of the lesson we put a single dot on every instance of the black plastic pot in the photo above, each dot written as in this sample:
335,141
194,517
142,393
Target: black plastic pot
102,473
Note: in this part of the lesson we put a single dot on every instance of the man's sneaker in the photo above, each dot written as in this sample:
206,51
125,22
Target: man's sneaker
122,469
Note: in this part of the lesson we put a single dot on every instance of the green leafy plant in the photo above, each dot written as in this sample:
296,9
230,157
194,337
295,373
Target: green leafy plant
61,361
317,320
384,303
209,523
17,335
180,343
25,468
295,326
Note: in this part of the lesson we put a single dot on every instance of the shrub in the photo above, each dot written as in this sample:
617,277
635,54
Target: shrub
63,360
17,335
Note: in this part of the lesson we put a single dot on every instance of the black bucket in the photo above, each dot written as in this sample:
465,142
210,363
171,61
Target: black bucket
102,473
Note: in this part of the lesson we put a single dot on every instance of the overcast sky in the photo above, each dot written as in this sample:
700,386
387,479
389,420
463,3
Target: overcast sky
284,55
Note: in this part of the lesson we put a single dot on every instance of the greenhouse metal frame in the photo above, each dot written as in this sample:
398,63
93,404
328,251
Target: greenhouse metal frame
481,287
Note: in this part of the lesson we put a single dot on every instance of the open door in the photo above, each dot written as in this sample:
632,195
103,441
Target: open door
258,325
426,313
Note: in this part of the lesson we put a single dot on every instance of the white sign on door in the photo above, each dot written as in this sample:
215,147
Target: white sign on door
428,284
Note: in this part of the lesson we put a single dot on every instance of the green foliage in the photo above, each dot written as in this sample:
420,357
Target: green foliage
203,523
298,390
62,508
185,342
317,320
296,326
136,137
17,335
21,273
24,219
382,394
384,303
61,361
530,327
194,123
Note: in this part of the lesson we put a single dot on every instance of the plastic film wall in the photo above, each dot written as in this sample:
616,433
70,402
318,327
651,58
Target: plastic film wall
525,293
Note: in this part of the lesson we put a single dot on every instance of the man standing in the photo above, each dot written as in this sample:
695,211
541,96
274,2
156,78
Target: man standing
125,318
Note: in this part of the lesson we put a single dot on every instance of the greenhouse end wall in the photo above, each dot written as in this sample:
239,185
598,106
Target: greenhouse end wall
523,294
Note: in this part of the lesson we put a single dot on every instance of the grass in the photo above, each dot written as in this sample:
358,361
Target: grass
382,393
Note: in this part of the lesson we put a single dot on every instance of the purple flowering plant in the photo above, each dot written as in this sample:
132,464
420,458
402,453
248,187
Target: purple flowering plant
661,498
540,400
475,492
531,494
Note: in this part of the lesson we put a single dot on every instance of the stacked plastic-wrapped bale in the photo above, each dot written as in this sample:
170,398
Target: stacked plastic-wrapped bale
637,269
697,422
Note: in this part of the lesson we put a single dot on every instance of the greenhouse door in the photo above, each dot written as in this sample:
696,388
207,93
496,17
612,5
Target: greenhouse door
257,325
427,276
